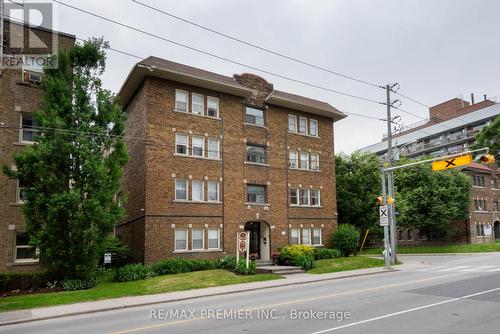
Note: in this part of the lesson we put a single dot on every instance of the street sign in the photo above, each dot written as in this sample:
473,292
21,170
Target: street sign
452,162
384,215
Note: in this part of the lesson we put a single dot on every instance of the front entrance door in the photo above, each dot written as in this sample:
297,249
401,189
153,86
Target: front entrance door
254,229
497,230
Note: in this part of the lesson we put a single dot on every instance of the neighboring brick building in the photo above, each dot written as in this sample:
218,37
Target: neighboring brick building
451,128
211,155
20,95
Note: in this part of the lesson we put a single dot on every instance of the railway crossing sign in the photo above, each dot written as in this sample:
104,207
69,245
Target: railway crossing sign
452,162
384,215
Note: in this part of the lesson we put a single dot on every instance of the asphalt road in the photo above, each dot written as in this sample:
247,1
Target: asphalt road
438,294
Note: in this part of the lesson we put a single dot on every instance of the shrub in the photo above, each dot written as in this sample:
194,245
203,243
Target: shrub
120,253
326,253
201,264
79,284
305,261
241,268
24,281
288,254
346,239
132,272
105,275
171,266
227,262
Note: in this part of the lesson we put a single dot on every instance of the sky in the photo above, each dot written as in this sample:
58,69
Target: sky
435,50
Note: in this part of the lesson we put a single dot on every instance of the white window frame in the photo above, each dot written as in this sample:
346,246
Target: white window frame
296,196
299,125
309,243
292,237
186,234
186,183
320,236
312,167
202,190
216,101
311,122
27,246
202,238
177,135
218,238
202,146
290,117
22,129
19,189
306,160
193,104
186,93
255,117
210,152
216,189
293,162
310,197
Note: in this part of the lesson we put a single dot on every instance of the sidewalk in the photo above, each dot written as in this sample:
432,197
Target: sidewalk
21,316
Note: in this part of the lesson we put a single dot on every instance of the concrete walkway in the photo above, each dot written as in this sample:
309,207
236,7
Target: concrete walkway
126,302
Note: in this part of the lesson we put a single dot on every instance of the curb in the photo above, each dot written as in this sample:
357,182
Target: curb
20,321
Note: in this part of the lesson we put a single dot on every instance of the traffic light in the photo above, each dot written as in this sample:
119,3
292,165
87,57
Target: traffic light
487,159
379,200
390,200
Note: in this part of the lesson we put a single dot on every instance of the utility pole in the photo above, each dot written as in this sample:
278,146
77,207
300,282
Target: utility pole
390,183
2,37
387,244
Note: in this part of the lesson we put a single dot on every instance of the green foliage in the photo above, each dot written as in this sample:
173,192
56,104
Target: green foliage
73,174
241,268
106,275
358,184
346,239
202,264
79,284
24,281
132,272
120,253
227,262
489,136
326,253
172,266
431,201
298,255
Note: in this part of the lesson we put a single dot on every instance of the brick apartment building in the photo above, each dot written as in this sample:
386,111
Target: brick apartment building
451,128
20,96
211,155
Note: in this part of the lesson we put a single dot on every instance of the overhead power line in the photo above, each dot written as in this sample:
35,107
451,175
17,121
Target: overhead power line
215,55
239,40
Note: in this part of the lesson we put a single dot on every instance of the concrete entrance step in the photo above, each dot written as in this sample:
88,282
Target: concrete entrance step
280,270
260,263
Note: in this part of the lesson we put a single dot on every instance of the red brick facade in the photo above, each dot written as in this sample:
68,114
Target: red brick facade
154,214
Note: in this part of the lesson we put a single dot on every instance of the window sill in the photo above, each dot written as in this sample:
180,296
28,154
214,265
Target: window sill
306,206
476,211
197,251
25,262
255,164
195,202
195,157
257,204
480,187
302,134
16,204
306,170
256,125
197,115
23,143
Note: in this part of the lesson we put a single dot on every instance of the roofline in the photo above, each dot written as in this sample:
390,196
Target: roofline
28,25
141,71
283,102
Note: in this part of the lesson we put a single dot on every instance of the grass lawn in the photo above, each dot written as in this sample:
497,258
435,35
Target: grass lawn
165,283
345,263
468,248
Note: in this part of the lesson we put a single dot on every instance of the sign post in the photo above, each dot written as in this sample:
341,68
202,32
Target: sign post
243,245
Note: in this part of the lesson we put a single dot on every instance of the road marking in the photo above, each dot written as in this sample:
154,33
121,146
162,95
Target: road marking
403,312
304,300
454,268
467,269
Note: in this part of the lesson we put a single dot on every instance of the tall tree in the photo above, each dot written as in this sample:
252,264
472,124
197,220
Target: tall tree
431,201
72,173
489,136
358,184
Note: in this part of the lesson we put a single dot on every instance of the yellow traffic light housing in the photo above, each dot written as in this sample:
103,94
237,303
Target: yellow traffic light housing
379,200
390,200
487,159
